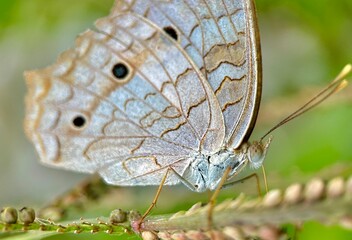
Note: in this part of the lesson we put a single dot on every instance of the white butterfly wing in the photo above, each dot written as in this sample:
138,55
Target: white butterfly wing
221,38
80,116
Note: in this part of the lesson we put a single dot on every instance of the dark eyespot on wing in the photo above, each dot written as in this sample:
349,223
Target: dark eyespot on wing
171,32
79,121
120,71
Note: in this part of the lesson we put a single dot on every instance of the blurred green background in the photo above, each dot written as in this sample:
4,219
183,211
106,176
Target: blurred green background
305,43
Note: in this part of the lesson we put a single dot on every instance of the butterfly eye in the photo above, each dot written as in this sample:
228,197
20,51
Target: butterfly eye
120,71
79,121
171,32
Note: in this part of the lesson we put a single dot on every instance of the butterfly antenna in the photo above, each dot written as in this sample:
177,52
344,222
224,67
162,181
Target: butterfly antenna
335,86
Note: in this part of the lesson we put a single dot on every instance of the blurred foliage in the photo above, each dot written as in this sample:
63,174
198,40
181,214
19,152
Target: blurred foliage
304,43
329,21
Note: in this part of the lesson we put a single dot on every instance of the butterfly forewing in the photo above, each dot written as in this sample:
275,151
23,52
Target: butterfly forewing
221,39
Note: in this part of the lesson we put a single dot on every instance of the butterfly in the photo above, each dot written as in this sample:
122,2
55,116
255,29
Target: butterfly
159,89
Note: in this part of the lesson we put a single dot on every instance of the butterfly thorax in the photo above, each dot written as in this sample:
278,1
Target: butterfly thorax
205,170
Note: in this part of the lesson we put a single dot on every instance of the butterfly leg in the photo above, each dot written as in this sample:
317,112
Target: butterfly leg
184,181
215,195
223,184
136,225
152,205
229,184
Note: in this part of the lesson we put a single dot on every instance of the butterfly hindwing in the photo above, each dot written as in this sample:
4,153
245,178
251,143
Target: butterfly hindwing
126,101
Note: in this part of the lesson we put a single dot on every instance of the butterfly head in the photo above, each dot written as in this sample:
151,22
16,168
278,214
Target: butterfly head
256,153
